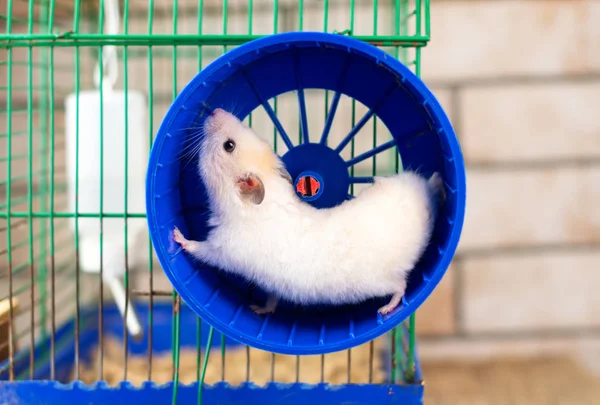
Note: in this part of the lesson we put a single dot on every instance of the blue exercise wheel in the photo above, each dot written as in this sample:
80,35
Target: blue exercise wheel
250,75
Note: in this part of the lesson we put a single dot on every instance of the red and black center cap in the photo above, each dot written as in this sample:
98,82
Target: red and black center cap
308,186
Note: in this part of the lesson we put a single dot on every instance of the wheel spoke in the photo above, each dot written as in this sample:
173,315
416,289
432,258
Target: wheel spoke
335,101
270,113
372,152
303,119
329,121
277,123
365,119
301,101
362,180
354,131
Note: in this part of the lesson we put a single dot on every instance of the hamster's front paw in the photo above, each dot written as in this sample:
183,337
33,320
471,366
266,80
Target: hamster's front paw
179,238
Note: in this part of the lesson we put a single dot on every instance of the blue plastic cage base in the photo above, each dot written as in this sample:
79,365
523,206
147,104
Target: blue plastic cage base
112,327
42,391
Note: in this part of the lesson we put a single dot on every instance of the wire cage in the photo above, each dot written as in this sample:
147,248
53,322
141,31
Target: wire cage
62,339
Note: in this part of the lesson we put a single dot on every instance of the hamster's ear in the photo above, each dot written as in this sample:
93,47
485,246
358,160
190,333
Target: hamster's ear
285,174
251,189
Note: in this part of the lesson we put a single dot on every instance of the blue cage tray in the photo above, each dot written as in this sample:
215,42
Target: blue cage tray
61,391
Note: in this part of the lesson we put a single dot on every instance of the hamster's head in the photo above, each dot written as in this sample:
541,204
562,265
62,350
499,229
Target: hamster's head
235,163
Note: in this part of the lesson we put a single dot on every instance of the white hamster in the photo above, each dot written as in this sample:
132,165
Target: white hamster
360,249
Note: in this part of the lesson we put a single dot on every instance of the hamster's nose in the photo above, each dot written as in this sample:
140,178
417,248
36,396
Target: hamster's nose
217,111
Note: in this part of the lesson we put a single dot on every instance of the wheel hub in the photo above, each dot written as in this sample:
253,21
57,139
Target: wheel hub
320,174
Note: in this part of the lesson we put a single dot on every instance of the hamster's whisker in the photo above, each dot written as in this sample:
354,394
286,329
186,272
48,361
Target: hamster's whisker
188,157
234,109
195,135
201,127
192,144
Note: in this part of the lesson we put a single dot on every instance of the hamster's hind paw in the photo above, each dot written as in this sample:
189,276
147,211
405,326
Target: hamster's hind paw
386,309
269,307
390,306
437,186
257,309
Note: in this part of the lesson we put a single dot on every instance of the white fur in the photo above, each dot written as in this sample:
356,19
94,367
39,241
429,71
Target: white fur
360,249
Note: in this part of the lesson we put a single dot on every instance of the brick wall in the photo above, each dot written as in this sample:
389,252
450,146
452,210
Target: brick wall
521,82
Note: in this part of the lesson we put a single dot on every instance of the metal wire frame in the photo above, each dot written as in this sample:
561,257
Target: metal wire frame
404,43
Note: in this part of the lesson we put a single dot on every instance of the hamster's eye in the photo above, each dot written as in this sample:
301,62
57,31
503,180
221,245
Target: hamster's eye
229,146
